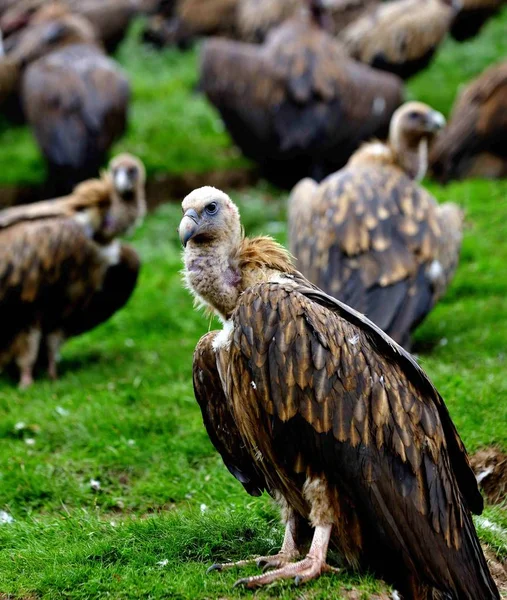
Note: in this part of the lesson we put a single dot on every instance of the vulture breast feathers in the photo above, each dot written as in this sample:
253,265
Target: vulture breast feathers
297,104
373,237
76,101
340,421
474,143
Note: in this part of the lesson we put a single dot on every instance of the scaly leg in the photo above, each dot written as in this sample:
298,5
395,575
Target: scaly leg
27,357
288,552
311,567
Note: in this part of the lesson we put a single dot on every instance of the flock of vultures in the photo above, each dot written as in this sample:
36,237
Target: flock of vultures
309,391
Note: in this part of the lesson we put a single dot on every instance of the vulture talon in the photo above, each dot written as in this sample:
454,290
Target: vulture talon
214,567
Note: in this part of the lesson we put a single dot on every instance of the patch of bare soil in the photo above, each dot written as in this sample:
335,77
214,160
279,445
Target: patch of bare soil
498,570
490,468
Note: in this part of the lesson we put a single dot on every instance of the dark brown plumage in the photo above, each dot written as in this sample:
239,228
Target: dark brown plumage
400,36
340,424
471,17
62,271
474,143
372,237
297,105
76,101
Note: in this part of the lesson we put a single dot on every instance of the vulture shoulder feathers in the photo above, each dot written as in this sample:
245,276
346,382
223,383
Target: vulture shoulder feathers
344,427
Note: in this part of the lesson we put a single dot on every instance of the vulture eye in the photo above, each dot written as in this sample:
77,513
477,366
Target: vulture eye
211,208
413,115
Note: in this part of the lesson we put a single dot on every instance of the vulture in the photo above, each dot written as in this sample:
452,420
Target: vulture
35,42
76,101
400,36
372,237
62,270
474,143
472,16
297,105
309,400
179,22
257,17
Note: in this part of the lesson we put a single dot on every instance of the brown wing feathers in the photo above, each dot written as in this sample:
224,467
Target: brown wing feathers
330,380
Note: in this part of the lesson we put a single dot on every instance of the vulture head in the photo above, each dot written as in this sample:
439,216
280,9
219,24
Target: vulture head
413,128
209,218
211,233
128,179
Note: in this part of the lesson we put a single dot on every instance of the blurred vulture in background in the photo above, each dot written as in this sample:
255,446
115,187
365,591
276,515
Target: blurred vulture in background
298,105
257,17
472,16
308,399
372,237
474,143
179,22
400,36
37,41
110,19
62,271
76,101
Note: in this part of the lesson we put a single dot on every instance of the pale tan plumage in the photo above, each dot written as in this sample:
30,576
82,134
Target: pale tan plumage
400,36
372,237
474,143
306,398
62,271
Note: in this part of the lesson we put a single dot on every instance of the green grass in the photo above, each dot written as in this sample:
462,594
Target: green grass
123,411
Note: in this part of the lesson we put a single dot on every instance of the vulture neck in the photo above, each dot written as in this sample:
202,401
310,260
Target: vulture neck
217,273
412,156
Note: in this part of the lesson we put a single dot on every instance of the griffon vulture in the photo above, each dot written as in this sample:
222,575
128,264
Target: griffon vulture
62,271
471,17
372,237
297,105
308,399
76,101
400,36
474,143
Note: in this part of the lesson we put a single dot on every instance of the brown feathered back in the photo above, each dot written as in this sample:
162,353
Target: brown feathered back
399,36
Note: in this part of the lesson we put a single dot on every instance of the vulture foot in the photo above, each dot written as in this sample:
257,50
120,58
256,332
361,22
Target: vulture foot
304,570
26,380
311,567
266,562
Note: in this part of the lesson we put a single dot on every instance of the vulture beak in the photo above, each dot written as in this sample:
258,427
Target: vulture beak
189,226
436,121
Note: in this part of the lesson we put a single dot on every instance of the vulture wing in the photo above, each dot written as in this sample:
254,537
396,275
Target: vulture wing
475,139
218,419
377,241
335,397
